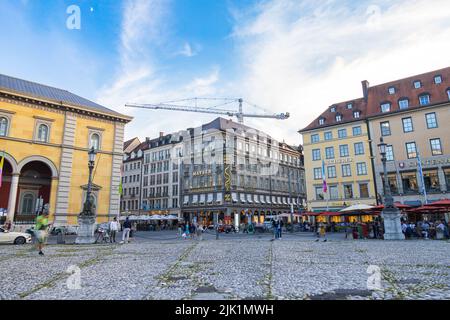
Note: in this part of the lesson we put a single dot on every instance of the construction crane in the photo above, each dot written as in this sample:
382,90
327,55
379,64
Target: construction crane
240,115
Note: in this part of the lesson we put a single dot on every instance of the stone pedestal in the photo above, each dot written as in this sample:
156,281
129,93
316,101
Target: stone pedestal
392,224
86,230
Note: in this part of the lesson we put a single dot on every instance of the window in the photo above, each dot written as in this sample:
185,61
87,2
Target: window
319,193
436,148
359,148
407,125
409,182
338,118
403,104
357,131
431,120
361,168
447,177
417,84
392,181
363,190
331,171
342,133
314,138
343,150
95,141
3,127
356,114
448,94
385,128
42,133
328,135
389,153
329,153
346,170
333,109
321,121
391,90
411,150
349,106
334,194
431,181
348,191
316,154
424,99
385,107
317,173
438,79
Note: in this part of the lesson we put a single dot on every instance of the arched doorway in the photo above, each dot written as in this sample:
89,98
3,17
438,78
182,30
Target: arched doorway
5,189
34,190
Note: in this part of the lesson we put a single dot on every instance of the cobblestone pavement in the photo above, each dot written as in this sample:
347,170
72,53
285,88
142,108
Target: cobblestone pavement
160,266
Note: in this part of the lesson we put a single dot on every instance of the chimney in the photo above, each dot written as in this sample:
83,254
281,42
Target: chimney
365,87
161,134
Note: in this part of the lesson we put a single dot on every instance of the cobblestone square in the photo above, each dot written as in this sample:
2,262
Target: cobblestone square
233,267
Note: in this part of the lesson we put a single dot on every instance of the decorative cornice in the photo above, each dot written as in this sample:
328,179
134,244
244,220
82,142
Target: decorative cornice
44,119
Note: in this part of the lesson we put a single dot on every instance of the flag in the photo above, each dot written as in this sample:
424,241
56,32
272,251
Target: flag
419,165
324,180
2,161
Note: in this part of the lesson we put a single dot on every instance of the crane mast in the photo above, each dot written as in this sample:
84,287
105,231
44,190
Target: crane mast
240,115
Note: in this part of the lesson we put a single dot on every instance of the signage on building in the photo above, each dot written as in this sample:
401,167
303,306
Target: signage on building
201,173
430,162
339,161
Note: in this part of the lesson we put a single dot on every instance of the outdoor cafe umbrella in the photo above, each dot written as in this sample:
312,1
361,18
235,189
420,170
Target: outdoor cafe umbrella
357,208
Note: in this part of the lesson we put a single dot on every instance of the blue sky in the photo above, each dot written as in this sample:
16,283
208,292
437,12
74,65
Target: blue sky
284,55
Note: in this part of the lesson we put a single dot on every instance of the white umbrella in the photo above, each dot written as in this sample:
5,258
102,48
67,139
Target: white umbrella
155,217
172,217
144,217
357,207
133,218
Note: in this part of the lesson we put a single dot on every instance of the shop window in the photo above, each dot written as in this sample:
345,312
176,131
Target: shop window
409,182
431,181
392,180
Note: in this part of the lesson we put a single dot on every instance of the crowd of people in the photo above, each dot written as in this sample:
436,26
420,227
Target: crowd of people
426,230
191,230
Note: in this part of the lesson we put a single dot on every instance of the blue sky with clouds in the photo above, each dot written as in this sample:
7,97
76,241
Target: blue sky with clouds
284,55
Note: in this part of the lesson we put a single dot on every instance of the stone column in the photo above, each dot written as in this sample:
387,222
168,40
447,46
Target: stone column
13,196
441,176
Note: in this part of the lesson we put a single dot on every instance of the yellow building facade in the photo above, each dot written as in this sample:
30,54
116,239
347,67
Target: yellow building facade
45,135
341,150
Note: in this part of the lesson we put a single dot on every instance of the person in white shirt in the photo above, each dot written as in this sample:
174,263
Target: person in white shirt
113,228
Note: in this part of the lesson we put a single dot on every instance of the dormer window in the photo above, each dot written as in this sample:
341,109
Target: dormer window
321,121
333,109
424,99
417,84
385,107
438,79
338,118
391,90
349,106
403,103
356,114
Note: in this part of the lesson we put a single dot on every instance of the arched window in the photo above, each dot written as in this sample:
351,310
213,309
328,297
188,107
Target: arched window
95,141
43,133
3,127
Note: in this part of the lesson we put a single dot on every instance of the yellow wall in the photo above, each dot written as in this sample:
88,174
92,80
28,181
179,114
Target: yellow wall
20,145
354,179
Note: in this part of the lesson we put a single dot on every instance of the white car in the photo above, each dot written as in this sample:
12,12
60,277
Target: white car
14,237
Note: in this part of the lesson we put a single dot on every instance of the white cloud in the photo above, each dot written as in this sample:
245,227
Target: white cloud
187,51
301,56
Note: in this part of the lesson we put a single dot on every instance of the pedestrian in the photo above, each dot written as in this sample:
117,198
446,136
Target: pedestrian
200,233
126,231
323,232
113,229
279,228
180,230
425,229
186,230
41,228
192,229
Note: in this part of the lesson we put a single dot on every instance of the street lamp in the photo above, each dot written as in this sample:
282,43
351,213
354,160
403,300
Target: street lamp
86,219
391,215
87,209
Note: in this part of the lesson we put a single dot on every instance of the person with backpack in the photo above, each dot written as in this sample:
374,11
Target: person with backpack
126,231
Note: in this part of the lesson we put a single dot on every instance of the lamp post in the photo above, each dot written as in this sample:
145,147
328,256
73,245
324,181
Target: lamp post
391,215
86,219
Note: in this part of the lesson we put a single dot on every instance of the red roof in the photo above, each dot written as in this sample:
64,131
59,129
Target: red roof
440,203
379,94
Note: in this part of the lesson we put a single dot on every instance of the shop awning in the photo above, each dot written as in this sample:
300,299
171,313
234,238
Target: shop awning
234,197
194,199
262,198
284,200
202,199
210,197
268,200
249,198
219,198
243,200
256,198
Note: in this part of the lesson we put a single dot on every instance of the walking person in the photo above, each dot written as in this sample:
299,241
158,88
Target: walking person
279,228
113,228
41,228
200,232
186,230
126,231
192,229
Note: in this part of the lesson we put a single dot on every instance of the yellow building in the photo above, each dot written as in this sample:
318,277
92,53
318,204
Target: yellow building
45,135
337,143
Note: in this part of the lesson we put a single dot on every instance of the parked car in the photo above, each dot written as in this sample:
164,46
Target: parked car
68,230
14,237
